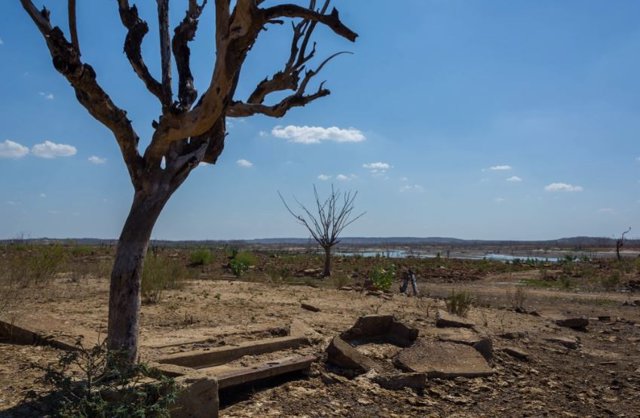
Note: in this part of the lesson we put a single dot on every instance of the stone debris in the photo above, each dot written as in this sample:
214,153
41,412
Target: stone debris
482,343
309,307
516,353
380,327
343,355
443,359
445,319
578,322
401,381
568,342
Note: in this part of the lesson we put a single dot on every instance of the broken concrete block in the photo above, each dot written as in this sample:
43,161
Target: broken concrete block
445,319
198,397
516,353
342,354
482,343
401,381
569,342
309,307
579,322
381,327
443,359
299,328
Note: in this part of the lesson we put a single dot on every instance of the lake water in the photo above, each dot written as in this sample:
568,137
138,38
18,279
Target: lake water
464,256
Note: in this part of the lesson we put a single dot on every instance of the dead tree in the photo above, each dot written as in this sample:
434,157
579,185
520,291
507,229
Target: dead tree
620,243
187,132
333,216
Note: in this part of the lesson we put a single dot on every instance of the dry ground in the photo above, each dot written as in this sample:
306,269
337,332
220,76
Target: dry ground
599,378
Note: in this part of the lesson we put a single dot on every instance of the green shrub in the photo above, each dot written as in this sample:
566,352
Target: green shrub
28,265
201,257
459,302
382,278
241,262
85,384
160,274
611,281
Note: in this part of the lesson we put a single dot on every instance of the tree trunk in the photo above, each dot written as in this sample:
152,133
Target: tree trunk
126,276
327,262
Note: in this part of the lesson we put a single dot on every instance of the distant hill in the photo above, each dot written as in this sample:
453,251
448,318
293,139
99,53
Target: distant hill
572,242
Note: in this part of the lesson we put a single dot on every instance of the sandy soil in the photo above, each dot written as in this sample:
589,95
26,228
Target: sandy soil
599,378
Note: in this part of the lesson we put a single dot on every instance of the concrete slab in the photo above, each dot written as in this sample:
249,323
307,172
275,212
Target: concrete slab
480,342
198,359
443,359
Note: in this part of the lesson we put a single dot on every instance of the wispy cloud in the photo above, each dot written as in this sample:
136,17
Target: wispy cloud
43,195
96,160
10,149
377,168
317,134
48,96
514,179
412,188
562,187
503,167
499,200
50,149
244,163
345,177
609,211
1,41
324,177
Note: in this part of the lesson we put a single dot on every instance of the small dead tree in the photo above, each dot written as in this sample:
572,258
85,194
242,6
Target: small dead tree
620,243
332,217
191,128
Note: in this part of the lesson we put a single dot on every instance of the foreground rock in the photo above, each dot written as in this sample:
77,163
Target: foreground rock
568,342
445,319
516,353
443,359
376,328
401,381
482,343
342,354
197,398
578,323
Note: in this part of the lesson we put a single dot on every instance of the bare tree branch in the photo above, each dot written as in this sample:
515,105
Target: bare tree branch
165,51
137,29
73,28
82,77
332,20
184,33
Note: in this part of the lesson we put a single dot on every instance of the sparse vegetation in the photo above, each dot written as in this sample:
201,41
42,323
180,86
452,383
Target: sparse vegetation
383,277
160,274
85,385
201,257
518,298
459,302
241,262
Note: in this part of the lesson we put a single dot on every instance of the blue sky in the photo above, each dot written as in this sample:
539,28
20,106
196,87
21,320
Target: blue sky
501,119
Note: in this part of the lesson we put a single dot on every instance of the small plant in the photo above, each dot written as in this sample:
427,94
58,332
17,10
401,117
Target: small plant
611,281
459,302
382,278
201,257
518,298
339,280
241,262
160,274
86,384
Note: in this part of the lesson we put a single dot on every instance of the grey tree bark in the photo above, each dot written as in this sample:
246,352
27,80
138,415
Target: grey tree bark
187,132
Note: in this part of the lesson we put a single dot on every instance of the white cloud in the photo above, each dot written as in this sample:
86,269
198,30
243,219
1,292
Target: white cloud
50,149
244,163
1,41
48,96
345,177
317,134
97,160
10,149
638,159
514,179
323,177
377,168
499,199
610,211
562,187
412,188
504,167
43,195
